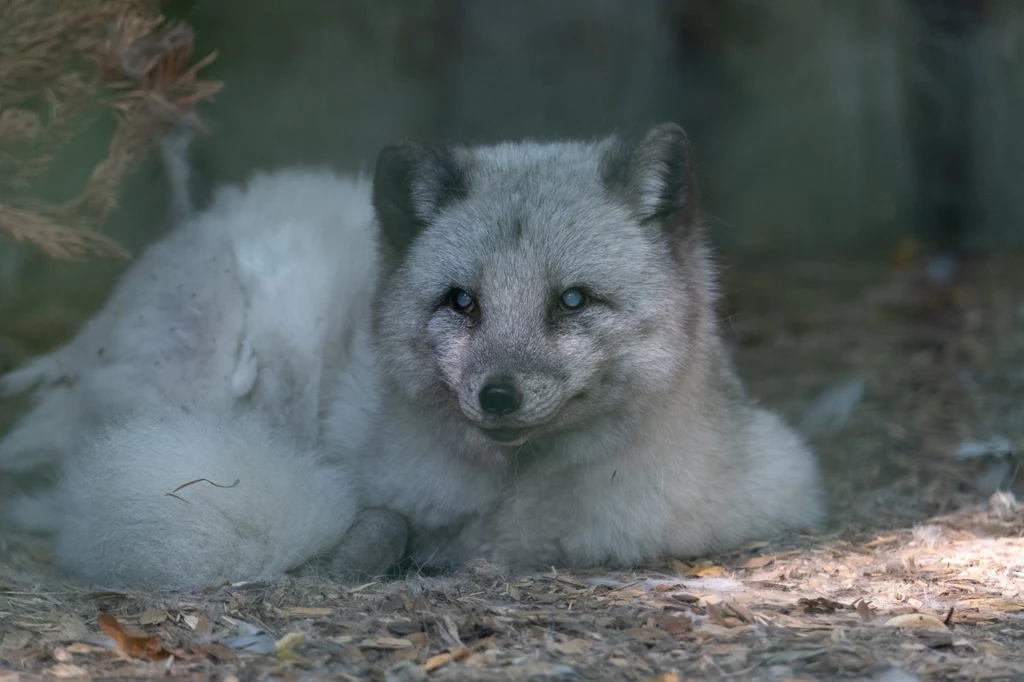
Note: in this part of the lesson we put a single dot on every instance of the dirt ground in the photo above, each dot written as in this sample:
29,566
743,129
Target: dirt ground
919,577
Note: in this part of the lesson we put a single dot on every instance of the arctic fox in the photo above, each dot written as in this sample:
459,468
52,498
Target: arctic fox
519,356
554,386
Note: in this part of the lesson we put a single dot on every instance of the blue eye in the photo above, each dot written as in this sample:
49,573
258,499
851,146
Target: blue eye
462,301
573,299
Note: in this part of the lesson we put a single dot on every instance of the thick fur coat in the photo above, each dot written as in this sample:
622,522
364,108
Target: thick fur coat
514,349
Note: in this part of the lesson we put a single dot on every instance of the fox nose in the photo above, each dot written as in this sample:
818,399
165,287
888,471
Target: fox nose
500,397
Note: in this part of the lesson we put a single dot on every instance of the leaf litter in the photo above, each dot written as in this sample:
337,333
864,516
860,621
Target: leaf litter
920,576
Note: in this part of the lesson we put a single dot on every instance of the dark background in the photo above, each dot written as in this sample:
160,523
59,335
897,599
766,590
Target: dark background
823,129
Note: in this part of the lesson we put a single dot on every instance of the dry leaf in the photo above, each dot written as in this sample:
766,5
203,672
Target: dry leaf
707,571
203,626
148,648
15,640
286,647
916,620
820,605
864,611
674,624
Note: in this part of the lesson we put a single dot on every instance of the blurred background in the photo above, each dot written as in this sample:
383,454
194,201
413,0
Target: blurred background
822,128
836,142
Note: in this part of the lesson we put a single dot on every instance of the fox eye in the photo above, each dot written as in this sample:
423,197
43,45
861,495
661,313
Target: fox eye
462,301
572,299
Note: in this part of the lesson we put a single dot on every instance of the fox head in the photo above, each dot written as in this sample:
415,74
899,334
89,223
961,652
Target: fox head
530,288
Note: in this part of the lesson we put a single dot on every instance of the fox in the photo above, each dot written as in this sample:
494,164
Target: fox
506,352
554,382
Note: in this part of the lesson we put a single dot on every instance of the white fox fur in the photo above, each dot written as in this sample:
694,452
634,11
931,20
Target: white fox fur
233,317
265,319
120,523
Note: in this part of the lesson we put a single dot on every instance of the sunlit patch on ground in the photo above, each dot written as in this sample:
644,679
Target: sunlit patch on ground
920,575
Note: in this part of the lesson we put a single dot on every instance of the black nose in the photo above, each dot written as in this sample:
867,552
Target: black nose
500,397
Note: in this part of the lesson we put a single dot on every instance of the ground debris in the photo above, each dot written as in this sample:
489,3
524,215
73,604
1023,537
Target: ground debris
920,577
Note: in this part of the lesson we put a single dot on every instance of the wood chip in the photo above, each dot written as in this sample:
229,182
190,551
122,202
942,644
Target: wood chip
307,612
916,620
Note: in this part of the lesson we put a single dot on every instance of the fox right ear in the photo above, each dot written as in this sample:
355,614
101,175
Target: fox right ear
411,184
655,174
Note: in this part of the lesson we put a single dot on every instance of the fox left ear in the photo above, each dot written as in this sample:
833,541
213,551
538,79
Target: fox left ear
411,184
656,176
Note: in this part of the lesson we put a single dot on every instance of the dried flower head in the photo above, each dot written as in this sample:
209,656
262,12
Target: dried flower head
63,63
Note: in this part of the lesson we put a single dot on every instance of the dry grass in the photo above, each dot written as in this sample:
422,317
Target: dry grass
912,534
64,64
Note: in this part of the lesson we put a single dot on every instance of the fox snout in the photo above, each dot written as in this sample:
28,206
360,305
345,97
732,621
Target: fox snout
512,400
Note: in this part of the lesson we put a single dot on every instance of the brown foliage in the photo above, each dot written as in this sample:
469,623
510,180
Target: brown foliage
63,63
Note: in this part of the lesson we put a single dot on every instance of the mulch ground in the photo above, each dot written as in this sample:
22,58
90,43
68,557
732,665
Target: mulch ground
919,577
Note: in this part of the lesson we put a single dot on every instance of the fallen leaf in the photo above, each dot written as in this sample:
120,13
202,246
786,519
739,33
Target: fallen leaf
307,612
718,618
916,620
72,629
285,647
864,611
198,622
15,640
707,571
709,600
220,652
135,646
820,605
674,623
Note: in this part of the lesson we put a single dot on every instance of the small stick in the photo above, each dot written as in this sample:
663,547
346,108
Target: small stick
199,480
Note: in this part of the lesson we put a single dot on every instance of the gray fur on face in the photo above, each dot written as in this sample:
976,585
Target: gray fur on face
515,226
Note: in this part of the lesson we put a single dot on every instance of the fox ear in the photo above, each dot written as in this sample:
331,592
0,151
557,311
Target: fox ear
655,175
411,184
